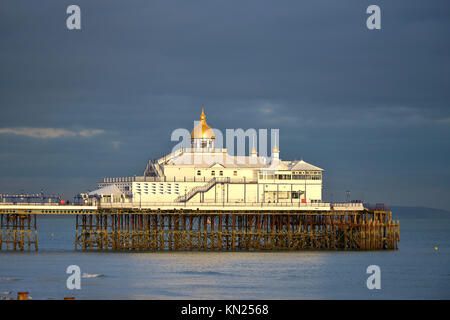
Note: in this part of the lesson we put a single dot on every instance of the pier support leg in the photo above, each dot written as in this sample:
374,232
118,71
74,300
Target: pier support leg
158,231
19,231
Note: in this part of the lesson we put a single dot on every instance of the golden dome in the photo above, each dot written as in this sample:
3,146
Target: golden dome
275,149
202,130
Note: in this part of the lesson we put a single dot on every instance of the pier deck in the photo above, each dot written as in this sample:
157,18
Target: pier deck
208,226
161,206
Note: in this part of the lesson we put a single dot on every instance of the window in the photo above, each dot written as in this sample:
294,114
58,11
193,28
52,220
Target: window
213,173
234,173
199,173
220,173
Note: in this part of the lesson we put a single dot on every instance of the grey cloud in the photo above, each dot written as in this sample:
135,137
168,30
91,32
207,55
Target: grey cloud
372,108
50,133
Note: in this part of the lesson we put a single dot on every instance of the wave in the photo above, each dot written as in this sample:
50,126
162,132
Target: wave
212,273
9,279
94,275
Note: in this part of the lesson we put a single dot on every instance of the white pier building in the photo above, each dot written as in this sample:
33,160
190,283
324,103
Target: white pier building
203,175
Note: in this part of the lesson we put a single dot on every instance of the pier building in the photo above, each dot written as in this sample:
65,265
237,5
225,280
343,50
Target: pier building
205,174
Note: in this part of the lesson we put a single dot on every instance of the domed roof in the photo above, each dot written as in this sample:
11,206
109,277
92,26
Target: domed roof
202,130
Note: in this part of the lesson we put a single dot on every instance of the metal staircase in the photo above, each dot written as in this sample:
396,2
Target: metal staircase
204,188
155,169
149,171
159,169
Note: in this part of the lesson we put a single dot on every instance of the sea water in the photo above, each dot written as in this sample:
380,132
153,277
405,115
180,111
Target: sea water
416,271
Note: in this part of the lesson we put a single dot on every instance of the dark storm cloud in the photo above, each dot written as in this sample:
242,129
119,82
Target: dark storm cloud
371,107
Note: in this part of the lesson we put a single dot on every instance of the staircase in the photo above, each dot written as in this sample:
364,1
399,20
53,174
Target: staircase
153,169
203,188
149,170
158,169
170,156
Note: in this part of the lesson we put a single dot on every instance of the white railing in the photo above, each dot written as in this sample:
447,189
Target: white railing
121,179
203,188
349,204
170,156
175,179
237,204
33,204
158,169
322,205
46,206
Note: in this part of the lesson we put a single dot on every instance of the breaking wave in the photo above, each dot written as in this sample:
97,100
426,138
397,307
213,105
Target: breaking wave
9,279
94,275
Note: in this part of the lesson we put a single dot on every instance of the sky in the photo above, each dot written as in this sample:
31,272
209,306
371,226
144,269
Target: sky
371,107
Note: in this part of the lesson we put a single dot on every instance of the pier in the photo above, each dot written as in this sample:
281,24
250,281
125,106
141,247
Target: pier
206,198
18,232
209,227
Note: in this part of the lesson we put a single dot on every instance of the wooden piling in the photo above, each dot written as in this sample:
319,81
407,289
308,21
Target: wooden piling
246,231
19,231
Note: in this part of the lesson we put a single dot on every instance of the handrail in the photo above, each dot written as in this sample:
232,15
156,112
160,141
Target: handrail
320,205
204,188
158,169
170,156
36,204
173,179
349,204
207,202
317,206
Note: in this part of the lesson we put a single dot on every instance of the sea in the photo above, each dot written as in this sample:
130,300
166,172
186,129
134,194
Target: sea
420,269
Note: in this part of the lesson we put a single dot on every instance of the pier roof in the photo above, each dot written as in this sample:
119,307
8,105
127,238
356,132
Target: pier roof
108,190
303,165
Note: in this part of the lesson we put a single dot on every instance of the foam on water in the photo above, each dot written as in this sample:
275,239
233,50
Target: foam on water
95,275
